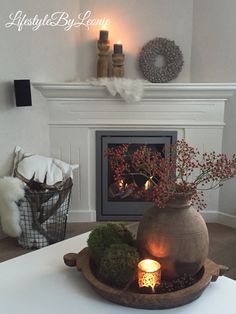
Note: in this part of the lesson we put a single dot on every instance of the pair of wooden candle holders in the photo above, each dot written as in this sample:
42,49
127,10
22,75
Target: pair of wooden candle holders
103,61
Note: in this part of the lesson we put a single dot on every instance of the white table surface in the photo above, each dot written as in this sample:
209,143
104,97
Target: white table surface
39,282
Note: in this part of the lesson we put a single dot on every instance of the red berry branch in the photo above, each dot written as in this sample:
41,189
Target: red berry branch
179,169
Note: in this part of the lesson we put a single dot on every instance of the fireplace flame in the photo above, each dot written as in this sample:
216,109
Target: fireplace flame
148,184
121,185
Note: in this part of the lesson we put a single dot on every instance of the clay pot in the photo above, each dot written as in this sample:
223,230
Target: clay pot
176,236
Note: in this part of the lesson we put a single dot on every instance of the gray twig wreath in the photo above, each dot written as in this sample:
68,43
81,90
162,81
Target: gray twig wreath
173,60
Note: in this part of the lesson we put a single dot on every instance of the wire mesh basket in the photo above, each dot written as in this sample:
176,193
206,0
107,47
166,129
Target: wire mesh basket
43,216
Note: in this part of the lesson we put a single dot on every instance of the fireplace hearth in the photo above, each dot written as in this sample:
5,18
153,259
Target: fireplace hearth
117,201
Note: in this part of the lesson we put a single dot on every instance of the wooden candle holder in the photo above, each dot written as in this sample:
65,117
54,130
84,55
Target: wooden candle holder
103,61
118,65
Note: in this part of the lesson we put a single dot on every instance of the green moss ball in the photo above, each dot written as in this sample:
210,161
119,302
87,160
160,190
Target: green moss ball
118,266
104,235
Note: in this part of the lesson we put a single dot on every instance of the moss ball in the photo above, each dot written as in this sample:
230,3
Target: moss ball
118,266
104,235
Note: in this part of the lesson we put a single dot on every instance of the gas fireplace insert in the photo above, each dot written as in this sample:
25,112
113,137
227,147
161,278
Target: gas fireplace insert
114,201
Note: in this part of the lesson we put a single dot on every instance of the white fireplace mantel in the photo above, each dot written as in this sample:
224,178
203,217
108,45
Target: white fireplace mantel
77,110
151,91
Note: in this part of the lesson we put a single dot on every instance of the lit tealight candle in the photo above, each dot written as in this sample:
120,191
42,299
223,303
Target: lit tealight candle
149,274
118,48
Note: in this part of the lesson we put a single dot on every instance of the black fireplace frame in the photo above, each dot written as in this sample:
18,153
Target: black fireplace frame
107,210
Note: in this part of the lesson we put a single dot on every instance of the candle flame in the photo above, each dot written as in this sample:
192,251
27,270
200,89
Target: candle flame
149,265
149,274
104,27
119,42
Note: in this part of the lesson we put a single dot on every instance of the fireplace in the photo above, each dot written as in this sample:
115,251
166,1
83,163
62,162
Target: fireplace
115,200
78,110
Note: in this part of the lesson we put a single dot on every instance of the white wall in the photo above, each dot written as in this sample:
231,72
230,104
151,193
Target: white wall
213,42
135,22
45,55
214,60
51,54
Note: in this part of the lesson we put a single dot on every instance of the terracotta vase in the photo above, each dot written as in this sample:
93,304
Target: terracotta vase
176,236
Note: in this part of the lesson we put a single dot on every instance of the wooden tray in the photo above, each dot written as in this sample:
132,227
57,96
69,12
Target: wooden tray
128,298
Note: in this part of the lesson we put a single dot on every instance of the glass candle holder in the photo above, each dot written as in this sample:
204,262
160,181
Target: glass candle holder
149,274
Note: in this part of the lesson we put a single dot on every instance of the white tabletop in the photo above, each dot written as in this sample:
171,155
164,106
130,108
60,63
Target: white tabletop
40,283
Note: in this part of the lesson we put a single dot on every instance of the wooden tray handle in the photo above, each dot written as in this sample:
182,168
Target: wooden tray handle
223,269
219,272
79,260
70,259
82,259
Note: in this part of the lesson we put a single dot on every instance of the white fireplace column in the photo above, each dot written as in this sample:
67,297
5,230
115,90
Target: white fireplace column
77,110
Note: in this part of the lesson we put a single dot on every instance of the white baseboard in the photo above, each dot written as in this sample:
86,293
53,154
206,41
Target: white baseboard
90,216
227,219
81,215
209,216
220,218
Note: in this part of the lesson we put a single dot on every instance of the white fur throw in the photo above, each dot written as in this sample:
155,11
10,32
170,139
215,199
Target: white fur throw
11,191
129,90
